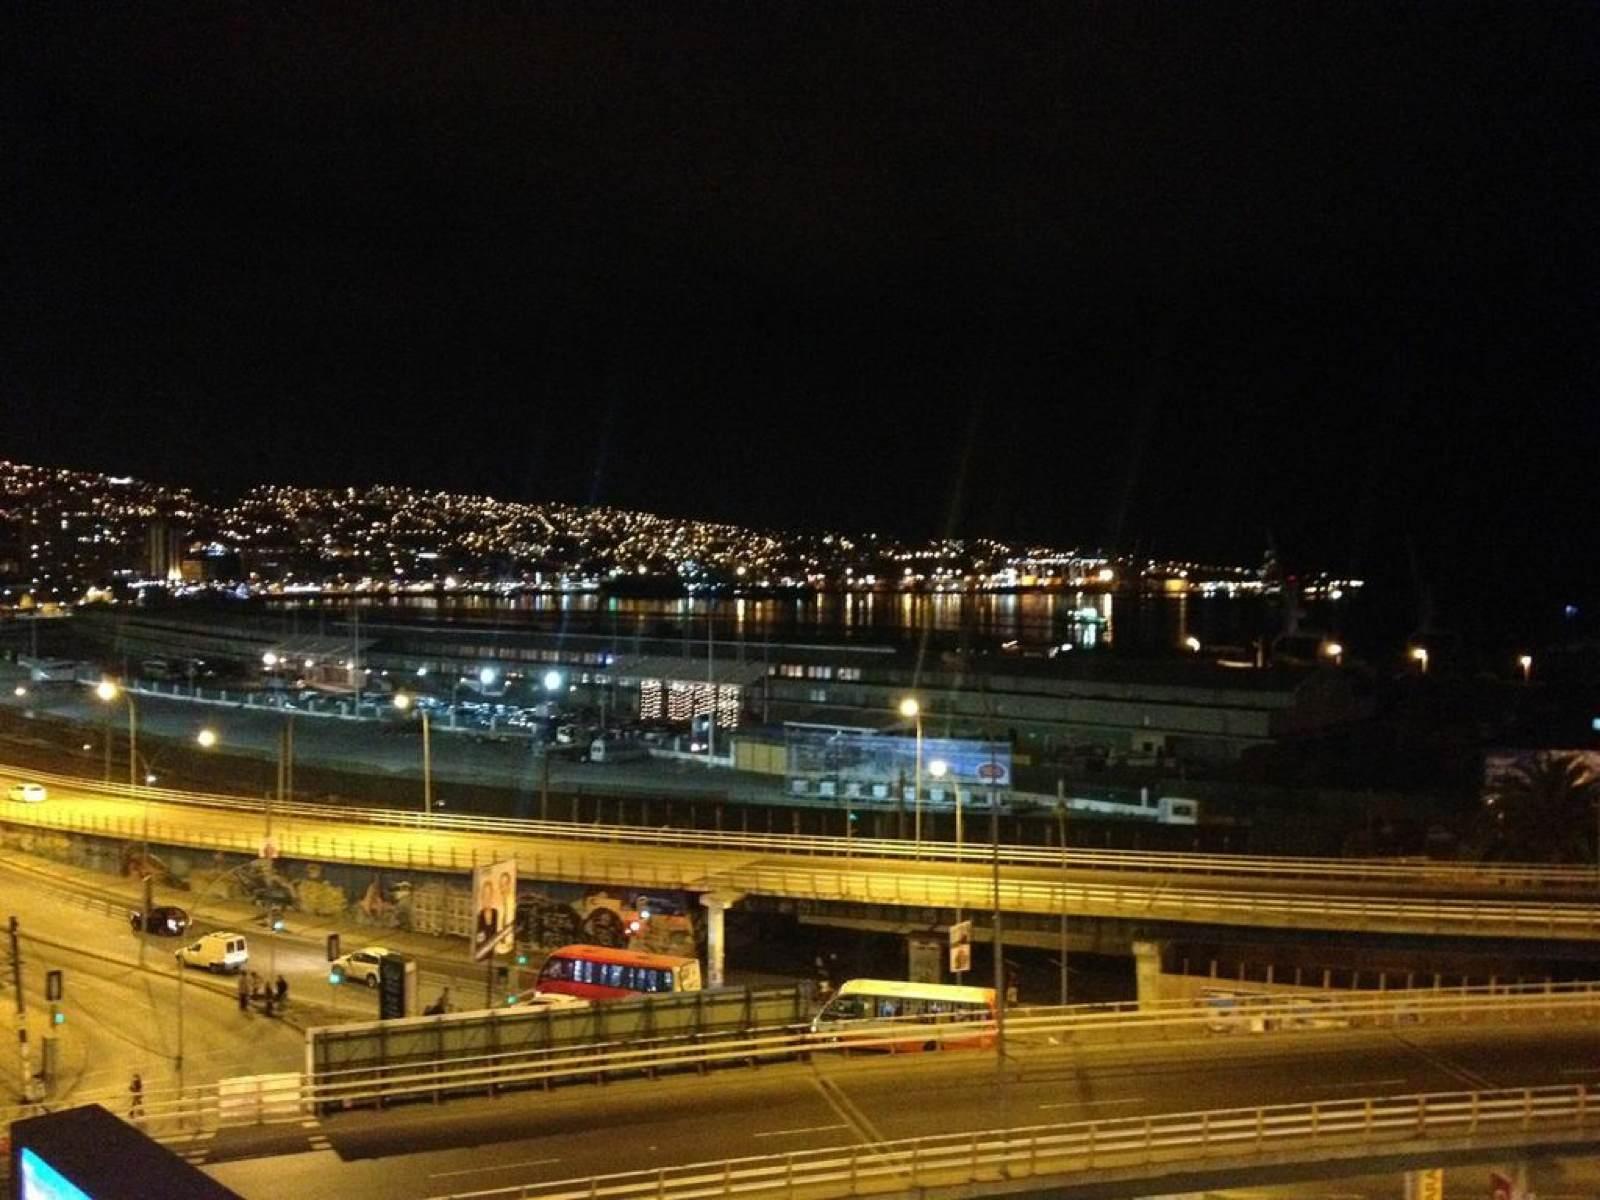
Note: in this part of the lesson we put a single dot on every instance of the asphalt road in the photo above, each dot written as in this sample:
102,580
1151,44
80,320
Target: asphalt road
121,1019
423,1150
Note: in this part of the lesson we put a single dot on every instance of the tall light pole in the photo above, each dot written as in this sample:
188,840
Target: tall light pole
910,708
1525,665
1419,655
403,702
552,684
938,769
109,692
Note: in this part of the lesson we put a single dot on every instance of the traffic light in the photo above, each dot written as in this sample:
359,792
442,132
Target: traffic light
59,1017
52,986
333,946
522,958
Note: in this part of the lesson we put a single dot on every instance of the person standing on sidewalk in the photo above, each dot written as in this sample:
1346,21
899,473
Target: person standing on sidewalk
281,989
135,1098
244,992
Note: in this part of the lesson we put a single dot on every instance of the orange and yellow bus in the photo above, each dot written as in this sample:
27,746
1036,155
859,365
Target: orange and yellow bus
875,1010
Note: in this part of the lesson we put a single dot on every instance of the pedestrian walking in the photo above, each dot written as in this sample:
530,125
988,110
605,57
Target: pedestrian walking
281,989
136,1097
244,993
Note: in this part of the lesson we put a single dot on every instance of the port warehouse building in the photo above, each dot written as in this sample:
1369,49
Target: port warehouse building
1188,710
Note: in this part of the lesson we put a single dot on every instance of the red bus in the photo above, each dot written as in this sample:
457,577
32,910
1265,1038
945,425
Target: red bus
601,973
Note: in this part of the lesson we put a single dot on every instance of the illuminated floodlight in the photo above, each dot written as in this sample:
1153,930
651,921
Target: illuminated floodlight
421,671
909,707
19,690
106,690
150,777
309,663
938,767
1333,650
270,660
552,681
486,676
402,701
1192,643
207,738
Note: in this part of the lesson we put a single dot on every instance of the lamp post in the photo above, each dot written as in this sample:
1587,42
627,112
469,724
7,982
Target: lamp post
1335,651
1419,655
1525,665
938,768
402,701
109,692
552,684
910,708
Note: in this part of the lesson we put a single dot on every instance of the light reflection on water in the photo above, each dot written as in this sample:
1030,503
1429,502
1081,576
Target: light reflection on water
1082,620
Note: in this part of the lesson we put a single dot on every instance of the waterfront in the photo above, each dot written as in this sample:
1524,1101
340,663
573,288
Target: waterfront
1035,621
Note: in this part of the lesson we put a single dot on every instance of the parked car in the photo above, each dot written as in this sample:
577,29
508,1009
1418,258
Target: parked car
546,1001
361,965
219,951
28,793
166,920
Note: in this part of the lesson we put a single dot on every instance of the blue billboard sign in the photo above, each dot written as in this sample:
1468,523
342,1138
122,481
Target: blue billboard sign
851,761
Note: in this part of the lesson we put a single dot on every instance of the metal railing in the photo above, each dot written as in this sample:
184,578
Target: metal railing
1216,1138
176,1113
868,881
1412,873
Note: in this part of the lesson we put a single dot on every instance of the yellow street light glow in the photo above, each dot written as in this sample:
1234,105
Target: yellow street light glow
1193,643
402,701
106,690
938,767
207,738
1332,649
269,659
909,707
19,690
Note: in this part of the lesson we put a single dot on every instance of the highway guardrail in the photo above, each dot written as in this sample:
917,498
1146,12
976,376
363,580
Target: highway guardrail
1136,1147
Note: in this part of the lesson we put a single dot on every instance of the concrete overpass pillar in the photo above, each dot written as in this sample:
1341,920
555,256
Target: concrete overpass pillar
716,904
1147,972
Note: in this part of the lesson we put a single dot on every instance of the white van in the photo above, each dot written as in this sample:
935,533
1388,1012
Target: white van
219,951
616,750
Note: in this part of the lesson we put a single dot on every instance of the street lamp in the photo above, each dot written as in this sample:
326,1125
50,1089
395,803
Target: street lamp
403,702
1419,655
938,768
207,738
1335,651
19,691
910,708
1525,662
1192,643
109,692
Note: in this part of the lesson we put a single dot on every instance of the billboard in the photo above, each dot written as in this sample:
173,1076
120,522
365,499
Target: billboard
494,901
849,763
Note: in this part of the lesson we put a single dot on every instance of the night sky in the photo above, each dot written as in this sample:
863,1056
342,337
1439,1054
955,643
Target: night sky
1178,277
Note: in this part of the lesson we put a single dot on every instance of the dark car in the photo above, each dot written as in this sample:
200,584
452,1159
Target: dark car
166,920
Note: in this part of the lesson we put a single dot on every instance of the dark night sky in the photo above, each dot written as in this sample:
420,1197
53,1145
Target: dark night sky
1170,275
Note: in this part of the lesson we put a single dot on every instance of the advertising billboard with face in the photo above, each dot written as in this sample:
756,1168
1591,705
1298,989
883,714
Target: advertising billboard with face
494,900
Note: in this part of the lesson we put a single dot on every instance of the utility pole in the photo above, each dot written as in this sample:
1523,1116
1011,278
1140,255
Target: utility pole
31,1089
1061,822
711,689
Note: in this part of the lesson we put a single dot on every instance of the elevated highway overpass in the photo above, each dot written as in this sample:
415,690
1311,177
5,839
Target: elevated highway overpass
1522,901
1187,1111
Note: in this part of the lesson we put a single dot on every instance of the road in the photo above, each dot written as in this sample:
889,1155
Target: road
121,1019
601,857
426,1150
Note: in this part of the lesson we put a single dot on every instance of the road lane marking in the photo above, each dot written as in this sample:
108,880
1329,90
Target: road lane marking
1092,1103
1467,1076
793,1132
1357,1083
535,1162
1581,1071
